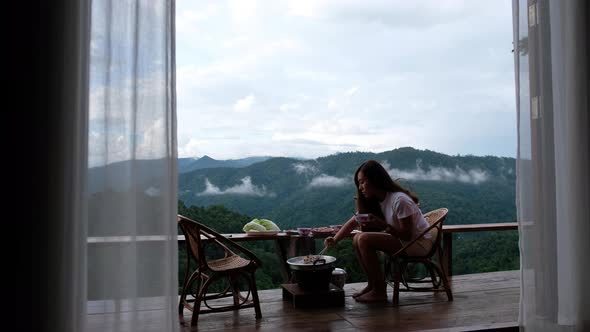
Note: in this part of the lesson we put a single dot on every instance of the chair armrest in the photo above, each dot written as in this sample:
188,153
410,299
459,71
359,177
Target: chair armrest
223,241
226,250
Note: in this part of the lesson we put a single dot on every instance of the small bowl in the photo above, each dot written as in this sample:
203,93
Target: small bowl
361,217
291,232
305,231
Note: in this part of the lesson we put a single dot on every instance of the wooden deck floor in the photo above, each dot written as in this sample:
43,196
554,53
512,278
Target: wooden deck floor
486,301
482,302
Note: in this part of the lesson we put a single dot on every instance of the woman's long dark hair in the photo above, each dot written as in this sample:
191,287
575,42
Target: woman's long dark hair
378,177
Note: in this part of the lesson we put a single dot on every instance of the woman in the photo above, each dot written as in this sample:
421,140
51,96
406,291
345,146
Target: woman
394,219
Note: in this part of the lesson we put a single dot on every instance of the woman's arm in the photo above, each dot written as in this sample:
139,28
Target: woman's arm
404,231
342,233
345,229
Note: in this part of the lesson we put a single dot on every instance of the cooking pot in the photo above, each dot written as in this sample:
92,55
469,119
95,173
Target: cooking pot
322,262
314,275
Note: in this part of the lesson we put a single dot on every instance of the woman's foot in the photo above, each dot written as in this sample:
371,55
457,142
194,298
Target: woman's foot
364,291
372,296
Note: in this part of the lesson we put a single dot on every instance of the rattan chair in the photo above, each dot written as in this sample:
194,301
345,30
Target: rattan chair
227,273
396,265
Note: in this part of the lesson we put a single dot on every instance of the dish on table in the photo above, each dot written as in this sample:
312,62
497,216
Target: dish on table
304,231
322,231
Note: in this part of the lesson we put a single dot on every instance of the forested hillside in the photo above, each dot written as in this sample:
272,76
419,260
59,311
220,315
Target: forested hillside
298,193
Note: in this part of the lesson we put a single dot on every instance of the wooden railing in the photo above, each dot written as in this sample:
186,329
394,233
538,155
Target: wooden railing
449,230
292,245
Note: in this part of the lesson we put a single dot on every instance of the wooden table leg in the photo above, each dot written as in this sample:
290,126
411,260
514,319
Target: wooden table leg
282,252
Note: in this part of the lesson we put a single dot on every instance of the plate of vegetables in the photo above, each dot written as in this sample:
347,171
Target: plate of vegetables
258,227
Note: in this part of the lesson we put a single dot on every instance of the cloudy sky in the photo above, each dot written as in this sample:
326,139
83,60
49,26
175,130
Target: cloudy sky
311,78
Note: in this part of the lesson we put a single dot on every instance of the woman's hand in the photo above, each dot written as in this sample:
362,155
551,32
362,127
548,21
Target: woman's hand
329,242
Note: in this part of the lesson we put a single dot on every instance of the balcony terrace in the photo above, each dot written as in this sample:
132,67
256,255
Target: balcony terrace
482,301
485,301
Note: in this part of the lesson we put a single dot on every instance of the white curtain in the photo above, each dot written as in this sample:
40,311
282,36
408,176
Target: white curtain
553,163
132,282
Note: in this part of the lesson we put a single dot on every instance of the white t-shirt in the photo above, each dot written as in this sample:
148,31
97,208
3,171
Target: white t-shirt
397,206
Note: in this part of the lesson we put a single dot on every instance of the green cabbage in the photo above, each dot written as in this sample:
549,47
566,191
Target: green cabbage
260,225
253,226
268,224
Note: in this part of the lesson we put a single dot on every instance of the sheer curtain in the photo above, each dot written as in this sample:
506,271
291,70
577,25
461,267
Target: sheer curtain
132,246
553,163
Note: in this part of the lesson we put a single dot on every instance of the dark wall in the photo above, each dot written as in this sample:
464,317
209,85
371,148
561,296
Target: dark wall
42,84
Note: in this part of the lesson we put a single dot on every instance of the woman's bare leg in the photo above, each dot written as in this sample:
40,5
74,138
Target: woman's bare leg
361,262
368,244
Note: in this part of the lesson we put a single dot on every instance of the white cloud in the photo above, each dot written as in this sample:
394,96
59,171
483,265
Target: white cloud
473,176
105,149
244,104
287,107
118,144
193,148
243,10
210,189
352,91
416,14
332,104
112,119
188,20
241,41
304,8
325,76
337,133
151,145
244,188
324,180
305,168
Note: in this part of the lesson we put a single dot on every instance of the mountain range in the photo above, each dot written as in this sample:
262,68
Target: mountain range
190,164
319,192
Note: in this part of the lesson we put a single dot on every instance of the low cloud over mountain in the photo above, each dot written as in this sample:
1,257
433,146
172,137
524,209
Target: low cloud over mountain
473,176
329,181
244,188
305,168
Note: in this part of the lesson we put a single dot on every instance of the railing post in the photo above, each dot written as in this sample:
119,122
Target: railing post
447,260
